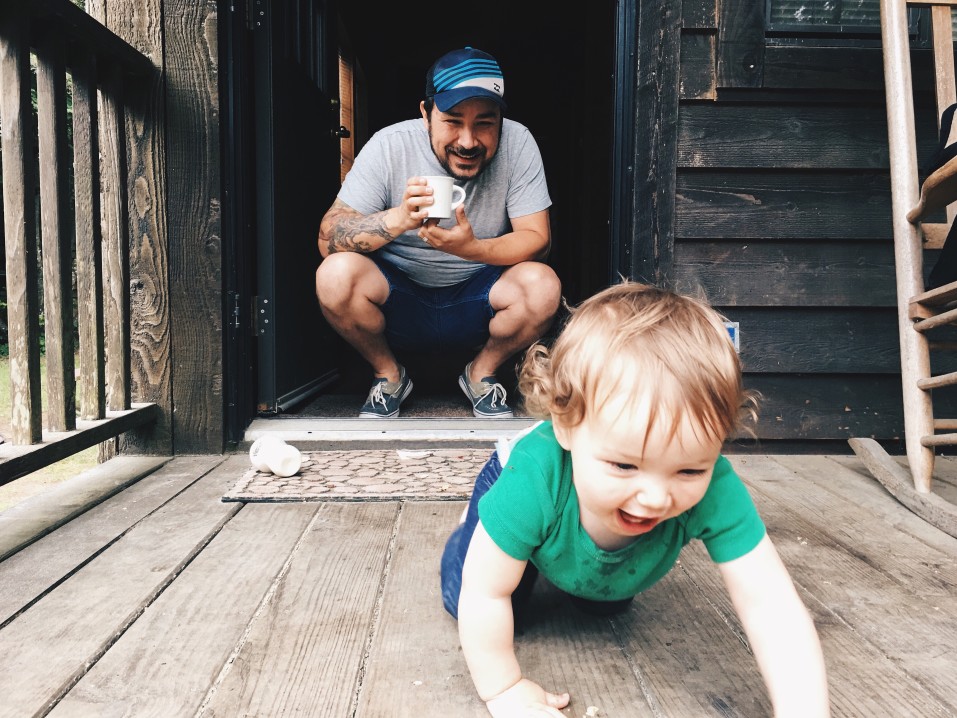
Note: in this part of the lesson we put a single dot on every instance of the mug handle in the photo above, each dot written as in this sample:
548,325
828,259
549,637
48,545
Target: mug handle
456,203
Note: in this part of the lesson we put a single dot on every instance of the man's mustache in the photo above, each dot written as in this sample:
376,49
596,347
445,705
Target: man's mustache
466,154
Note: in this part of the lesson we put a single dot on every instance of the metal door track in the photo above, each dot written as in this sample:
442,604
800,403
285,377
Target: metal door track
338,433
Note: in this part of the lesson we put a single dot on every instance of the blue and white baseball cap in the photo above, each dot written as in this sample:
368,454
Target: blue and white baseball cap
461,74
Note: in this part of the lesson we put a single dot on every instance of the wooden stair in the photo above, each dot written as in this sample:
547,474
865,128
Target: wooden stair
919,311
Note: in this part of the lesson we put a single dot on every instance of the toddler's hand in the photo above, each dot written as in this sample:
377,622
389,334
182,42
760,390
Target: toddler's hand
526,698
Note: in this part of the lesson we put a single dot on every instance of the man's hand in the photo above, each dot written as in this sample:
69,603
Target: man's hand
414,207
527,698
457,240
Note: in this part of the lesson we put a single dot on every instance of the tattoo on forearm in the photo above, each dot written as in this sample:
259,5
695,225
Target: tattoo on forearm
344,235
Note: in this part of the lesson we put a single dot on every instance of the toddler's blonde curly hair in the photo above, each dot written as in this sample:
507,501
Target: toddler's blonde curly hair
633,342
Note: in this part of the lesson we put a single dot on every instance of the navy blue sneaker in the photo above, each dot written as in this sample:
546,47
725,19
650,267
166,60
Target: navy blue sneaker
385,397
487,396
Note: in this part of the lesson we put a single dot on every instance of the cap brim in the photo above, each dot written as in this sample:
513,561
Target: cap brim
445,101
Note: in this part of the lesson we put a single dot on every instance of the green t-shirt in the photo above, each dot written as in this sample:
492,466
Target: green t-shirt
531,513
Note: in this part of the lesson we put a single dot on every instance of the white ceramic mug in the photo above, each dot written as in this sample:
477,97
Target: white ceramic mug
284,461
260,448
271,454
443,193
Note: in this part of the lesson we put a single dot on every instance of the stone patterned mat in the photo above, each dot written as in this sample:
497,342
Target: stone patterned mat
368,476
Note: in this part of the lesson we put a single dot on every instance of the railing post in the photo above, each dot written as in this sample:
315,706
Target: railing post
116,244
55,210
89,262
19,181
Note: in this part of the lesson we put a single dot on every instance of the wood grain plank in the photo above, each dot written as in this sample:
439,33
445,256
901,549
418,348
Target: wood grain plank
55,234
883,611
686,654
945,476
912,486
202,616
193,206
778,136
819,340
696,72
416,665
862,681
699,14
923,569
851,480
115,236
782,205
796,67
780,274
87,37
34,571
582,654
741,43
50,646
802,407
943,485
647,255
18,461
305,652
20,230
151,371
793,407
89,261
791,136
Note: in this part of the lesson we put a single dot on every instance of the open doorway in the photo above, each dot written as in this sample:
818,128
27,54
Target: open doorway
559,70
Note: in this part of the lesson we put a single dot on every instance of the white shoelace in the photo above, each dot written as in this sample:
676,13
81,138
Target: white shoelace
376,395
497,391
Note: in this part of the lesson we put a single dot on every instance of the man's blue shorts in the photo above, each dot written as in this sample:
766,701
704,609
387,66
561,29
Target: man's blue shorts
418,317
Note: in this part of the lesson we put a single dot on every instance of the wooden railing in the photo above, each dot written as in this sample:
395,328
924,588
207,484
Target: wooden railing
83,231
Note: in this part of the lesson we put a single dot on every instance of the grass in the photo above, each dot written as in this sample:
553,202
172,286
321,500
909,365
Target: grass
46,478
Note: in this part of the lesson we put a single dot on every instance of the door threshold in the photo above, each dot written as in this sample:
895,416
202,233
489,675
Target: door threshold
351,433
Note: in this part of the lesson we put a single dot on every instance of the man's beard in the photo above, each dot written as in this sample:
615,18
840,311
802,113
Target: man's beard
452,151
447,166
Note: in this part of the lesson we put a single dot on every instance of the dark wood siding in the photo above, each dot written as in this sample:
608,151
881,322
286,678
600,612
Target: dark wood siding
782,216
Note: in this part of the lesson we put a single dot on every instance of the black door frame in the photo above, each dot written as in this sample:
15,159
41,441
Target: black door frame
238,223
239,218
623,145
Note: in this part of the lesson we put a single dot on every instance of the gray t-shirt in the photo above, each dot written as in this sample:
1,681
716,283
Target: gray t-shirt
512,185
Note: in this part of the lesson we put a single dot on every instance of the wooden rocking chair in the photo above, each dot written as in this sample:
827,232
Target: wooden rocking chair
919,311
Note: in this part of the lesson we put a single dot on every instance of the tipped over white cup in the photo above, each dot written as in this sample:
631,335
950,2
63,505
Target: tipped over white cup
284,460
272,454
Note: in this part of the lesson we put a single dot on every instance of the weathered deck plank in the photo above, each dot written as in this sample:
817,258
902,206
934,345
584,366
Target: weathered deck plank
304,654
855,484
30,574
415,665
163,600
24,523
51,645
143,676
844,576
924,569
689,656
566,650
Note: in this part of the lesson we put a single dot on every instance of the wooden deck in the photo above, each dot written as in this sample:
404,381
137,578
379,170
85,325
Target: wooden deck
165,601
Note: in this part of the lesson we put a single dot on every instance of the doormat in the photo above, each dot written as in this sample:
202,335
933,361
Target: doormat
368,476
